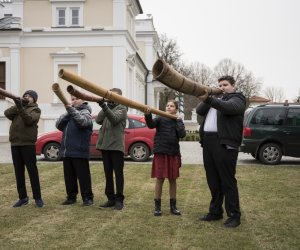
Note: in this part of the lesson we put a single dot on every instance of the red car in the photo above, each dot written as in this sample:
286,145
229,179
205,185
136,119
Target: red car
138,141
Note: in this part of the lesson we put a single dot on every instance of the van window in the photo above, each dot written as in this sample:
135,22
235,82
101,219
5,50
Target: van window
293,117
269,116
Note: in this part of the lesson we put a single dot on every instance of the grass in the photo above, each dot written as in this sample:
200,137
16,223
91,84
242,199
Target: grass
269,196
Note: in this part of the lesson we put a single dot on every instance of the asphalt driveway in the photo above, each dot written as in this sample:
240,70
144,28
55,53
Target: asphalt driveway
191,154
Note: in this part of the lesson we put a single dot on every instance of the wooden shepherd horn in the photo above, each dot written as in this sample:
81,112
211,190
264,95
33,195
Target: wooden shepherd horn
170,77
57,90
84,96
107,94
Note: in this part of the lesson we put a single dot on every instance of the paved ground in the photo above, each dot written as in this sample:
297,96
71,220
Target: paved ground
191,154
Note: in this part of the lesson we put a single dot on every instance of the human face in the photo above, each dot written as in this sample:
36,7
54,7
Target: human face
226,87
28,98
171,108
76,102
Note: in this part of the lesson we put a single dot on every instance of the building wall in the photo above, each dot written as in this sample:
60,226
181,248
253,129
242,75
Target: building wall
37,13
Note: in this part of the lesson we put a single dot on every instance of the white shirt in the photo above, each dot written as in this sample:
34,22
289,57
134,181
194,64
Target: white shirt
210,124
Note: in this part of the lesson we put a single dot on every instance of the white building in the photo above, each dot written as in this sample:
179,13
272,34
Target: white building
101,40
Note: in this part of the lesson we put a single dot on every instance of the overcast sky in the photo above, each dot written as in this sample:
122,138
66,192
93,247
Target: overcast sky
262,35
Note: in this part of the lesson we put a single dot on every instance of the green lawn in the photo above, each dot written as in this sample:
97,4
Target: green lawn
270,203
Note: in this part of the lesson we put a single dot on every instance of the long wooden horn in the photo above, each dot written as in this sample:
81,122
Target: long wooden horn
57,90
5,93
105,93
83,96
170,77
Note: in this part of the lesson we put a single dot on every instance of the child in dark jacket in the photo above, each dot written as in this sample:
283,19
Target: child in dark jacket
167,158
23,132
77,126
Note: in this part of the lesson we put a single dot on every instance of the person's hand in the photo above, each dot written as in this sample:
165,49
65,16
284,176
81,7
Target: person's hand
204,96
180,116
18,102
101,103
147,110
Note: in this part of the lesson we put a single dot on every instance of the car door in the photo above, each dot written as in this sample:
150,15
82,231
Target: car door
291,131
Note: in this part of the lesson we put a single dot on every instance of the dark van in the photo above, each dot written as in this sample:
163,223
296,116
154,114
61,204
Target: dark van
271,131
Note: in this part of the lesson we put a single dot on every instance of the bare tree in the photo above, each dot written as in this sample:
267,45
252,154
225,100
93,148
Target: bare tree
201,74
171,54
245,80
275,94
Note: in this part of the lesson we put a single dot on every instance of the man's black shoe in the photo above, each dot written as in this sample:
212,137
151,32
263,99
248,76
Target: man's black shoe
119,205
232,222
39,203
212,217
21,202
87,203
109,203
68,202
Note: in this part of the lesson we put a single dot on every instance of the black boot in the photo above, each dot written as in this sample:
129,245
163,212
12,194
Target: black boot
173,207
157,211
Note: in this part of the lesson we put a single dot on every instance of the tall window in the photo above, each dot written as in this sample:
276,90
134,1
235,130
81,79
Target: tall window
61,16
75,16
2,77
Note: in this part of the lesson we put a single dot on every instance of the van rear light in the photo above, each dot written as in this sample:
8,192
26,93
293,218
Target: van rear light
247,132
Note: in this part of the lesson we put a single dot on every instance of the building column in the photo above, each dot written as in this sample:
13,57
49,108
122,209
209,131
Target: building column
15,70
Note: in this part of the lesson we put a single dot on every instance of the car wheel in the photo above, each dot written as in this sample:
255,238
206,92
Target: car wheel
139,152
270,154
51,152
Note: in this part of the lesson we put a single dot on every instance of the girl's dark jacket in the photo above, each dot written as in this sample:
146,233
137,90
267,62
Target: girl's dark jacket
23,129
230,114
168,132
77,127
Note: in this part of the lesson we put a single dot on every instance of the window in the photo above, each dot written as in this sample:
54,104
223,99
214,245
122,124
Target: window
269,116
293,117
67,14
2,77
74,16
61,15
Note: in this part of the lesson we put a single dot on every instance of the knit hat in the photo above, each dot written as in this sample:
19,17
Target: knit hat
32,93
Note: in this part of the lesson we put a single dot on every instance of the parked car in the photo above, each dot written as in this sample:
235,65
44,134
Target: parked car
271,131
138,141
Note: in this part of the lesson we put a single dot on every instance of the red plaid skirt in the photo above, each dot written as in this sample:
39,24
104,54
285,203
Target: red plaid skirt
166,166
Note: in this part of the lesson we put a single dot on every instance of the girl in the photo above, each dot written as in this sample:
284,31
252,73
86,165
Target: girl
167,158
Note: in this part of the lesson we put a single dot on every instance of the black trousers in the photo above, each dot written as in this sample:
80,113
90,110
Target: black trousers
113,161
220,167
25,156
78,168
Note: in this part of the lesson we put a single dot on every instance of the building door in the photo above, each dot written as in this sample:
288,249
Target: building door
2,77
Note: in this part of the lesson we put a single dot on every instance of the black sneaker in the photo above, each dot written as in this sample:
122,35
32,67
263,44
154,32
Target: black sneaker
109,203
119,205
39,203
232,222
86,203
21,202
68,202
212,217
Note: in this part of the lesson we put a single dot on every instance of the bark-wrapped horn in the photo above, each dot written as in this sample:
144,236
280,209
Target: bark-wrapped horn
84,96
57,90
170,77
5,93
107,94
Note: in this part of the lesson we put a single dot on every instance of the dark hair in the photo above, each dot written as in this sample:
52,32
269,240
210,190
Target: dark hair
230,79
116,90
175,103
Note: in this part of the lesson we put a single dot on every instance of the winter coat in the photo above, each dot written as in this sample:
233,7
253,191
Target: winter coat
111,133
23,129
77,127
230,114
168,132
